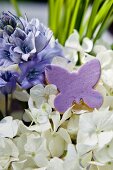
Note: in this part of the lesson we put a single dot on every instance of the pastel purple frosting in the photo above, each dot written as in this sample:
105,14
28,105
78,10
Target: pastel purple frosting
76,85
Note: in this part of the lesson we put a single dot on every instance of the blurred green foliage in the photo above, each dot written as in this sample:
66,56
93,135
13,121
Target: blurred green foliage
67,15
25,1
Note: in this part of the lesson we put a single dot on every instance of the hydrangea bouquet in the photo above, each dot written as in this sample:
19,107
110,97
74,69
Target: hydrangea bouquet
56,101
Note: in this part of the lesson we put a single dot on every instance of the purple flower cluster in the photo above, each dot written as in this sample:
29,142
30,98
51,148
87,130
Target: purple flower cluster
30,45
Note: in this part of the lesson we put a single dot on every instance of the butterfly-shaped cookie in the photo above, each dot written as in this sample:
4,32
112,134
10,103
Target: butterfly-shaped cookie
76,86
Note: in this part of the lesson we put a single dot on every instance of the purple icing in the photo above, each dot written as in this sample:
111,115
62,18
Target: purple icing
76,85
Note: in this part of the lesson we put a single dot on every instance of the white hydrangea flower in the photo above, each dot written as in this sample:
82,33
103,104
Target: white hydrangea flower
57,141
40,95
21,94
8,153
93,167
73,46
105,56
64,63
26,164
70,161
55,117
106,59
8,127
107,78
72,126
32,148
36,147
105,154
107,98
95,130
55,164
40,115
108,166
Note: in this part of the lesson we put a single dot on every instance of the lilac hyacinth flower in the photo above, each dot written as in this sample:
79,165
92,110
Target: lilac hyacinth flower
7,24
7,82
7,56
33,72
42,34
30,45
24,44
33,40
27,39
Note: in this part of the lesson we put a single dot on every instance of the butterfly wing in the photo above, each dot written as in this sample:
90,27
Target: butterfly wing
93,99
63,102
87,78
90,73
57,76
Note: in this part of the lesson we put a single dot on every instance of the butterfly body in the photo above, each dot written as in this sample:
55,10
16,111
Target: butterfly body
76,86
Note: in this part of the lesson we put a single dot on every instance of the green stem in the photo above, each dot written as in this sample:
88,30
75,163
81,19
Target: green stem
15,4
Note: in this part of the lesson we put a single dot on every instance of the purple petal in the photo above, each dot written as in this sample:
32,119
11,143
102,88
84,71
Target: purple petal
41,42
2,82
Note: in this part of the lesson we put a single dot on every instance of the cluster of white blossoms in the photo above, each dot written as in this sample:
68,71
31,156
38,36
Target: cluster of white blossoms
79,139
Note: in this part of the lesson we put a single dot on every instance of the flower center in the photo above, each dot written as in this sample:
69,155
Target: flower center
6,76
33,73
7,54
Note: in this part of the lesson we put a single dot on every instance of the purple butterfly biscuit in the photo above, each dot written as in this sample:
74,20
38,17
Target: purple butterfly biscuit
76,85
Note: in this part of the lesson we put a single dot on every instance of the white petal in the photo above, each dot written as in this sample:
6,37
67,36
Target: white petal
51,100
55,164
50,89
72,40
87,44
99,48
8,127
55,116
41,160
64,134
105,58
37,91
21,95
57,146
66,115
104,138
25,56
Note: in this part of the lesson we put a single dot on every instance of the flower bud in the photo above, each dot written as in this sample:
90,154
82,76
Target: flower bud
9,29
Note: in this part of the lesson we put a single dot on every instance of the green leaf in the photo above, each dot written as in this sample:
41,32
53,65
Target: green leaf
68,12
81,29
74,17
16,7
105,20
92,17
103,11
51,10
